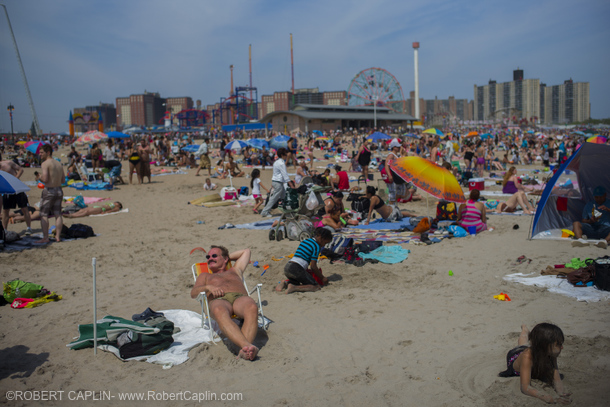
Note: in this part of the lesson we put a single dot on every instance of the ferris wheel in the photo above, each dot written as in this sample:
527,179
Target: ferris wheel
375,85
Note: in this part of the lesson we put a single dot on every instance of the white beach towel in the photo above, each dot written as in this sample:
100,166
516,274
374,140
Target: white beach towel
191,334
560,286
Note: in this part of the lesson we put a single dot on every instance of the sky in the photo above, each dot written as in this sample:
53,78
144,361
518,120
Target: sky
78,53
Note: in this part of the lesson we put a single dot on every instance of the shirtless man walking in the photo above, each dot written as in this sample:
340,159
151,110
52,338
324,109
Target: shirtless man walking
227,296
12,201
52,194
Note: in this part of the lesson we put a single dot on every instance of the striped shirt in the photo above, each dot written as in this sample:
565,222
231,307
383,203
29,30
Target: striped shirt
471,216
308,251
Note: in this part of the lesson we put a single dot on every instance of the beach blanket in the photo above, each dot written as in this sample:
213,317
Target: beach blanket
515,213
258,225
87,199
380,224
96,186
29,242
387,254
170,172
191,335
559,286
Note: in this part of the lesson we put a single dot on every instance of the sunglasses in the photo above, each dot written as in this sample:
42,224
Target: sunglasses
211,255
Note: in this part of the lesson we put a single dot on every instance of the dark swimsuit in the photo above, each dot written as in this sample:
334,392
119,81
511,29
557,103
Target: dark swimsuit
511,356
380,204
365,157
135,158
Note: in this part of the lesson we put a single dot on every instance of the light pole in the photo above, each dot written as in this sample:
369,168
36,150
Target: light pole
10,109
375,98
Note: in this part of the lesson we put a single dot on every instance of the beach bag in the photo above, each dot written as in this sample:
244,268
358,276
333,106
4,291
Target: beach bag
339,244
132,344
457,231
244,191
361,204
582,276
369,245
312,201
20,289
446,211
422,226
78,230
601,278
79,201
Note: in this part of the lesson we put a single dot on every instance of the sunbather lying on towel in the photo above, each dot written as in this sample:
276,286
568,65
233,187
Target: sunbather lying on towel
228,296
97,210
391,213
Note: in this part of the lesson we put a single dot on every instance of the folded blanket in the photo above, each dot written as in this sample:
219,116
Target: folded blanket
387,254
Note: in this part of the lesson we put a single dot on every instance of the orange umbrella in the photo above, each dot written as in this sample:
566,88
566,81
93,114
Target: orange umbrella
471,134
435,180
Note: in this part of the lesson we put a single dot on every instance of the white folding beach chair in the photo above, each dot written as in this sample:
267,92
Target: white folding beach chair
86,175
199,268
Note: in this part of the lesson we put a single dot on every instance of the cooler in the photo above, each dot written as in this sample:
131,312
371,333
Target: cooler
228,193
476,183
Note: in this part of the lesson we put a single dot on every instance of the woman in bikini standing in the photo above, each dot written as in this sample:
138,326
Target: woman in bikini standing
134,162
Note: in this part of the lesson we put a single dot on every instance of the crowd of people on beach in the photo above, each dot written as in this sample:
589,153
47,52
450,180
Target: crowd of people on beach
495,151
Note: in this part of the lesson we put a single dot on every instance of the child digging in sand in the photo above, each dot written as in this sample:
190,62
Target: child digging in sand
306,256
538,361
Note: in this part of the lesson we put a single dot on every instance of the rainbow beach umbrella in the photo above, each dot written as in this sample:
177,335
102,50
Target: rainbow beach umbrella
34,146
597,139
435,180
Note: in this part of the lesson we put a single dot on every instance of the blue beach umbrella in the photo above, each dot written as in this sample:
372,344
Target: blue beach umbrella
236,145
411,135
318,132
191,148
117,134
485,136
258,143
279,141
378,136
10,184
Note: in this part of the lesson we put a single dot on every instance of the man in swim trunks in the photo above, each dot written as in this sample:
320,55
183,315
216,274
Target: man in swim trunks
228,296
204,158
52,194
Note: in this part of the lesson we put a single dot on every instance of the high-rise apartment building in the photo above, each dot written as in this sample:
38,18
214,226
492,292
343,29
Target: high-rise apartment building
519,98
533,101
147,109
566,103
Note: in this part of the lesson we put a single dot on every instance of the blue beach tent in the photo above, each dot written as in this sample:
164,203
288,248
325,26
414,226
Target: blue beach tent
566,194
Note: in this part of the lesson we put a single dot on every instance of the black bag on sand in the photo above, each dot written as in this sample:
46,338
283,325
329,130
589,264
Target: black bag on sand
601,278
78,230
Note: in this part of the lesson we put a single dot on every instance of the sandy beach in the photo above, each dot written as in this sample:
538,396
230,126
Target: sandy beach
407,334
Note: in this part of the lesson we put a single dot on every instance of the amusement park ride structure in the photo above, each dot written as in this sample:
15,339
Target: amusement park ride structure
376,87
239,108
